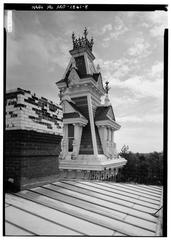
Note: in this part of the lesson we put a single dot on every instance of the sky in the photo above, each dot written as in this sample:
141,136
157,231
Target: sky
128,46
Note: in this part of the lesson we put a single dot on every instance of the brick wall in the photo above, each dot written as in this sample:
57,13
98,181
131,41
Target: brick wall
25,110
31,158
33,132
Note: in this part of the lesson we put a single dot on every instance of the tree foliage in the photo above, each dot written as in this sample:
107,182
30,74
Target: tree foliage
144,168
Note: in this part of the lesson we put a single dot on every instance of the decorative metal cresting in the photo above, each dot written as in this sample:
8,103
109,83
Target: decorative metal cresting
82,42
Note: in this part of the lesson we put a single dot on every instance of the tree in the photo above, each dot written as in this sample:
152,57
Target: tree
141,168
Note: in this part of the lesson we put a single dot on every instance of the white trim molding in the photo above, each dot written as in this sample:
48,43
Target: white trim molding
108,123
92,125
82,121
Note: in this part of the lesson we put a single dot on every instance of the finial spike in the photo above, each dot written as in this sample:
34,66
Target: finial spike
107,88
73,37
85,32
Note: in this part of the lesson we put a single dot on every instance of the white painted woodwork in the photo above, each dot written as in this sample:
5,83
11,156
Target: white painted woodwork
93,135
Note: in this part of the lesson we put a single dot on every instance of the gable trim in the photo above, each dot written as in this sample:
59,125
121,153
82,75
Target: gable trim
108,123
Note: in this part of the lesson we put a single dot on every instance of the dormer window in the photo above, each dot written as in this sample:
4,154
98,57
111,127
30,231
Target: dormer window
80,64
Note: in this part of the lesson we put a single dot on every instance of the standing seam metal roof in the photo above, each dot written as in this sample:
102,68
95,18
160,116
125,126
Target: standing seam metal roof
85,208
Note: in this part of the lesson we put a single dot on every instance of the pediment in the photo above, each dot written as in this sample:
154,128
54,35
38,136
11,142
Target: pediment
67,108
73,77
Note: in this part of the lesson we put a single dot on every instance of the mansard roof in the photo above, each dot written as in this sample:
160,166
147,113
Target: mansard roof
102,113
95,76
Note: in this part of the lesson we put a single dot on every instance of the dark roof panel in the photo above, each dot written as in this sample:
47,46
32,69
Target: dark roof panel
81,105
71,115
76,108
81,76
101,113
96,76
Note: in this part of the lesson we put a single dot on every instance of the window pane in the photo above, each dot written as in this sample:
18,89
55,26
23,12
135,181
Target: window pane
107,134
70,146
70,130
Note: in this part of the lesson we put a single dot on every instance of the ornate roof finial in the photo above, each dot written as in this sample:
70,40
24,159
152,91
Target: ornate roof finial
107,88
73,37
82,42
85,33
107,101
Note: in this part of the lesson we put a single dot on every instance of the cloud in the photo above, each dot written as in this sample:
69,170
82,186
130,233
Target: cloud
114,69
141,87
122,100
156,22
148,118
30,49
149,84
153,22
107,27
13,49
140,48
157,31
35,44
157,17
50,51
159,24
156,70
117,29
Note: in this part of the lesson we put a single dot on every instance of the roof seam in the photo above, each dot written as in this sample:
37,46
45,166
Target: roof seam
105,226
102,207
120,193
21,228
121,205
119,210
46,219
